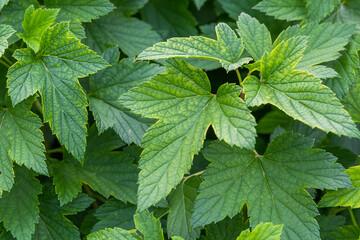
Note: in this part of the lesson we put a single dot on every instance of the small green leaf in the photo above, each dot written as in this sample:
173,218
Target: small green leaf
113,234
227,49
283,9
298,94
5,32
35,23
148,225
263,231
318,10
106,171
81,10
256,37
348,197
271,184
19,207
53,71
351,101
182,100
129,7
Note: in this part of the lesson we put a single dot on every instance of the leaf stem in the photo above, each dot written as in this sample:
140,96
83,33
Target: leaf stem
5,63
55,150
353,219
239,76
38,106
7,60
192,175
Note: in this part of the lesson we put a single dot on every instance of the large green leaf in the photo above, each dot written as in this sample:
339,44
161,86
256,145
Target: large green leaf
318,10
81,10
283,9
106,87
20,142
271,184
263,231
345,197
182,100
53,71
148,225
106,171
53,225
19,207
35,23
171,18
130,34
227,49
256,37
297,93
5,32
181,205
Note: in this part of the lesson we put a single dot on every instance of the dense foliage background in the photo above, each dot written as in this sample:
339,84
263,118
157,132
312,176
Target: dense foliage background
116,124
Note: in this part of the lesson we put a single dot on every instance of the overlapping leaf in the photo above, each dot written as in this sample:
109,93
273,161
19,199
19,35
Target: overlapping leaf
129,7
19,207
20,142
263,231
113,234
351,101
148,225
348,197
5,32
53,71
106,171
227,49
271,184
298,94
227,229
348,12
182,100
106,87
318,10
283,9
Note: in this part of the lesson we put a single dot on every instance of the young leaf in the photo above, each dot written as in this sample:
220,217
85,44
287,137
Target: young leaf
5,32
256,37
227,49
53,225
348,197
19,207
130,34
113,234
81,10
318,10
182,100
181,205
283,9
106,87
20,141
263,231
171,18
35,23
106,171
298,94
148,225
53,71
115,213
271,184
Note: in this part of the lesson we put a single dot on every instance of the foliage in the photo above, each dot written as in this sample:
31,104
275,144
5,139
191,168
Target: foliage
179,119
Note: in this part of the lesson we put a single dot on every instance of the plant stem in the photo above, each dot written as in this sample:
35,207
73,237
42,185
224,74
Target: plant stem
195,174
5,63
55,150
239,77
7,60
353,219
245,212
38,106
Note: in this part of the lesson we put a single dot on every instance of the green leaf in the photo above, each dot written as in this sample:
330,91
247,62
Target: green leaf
171,18
323,44
263,231
104,170
81,10
349,232
148,225
351,101
3,3
318,10
130,34
256,37
328,224
199,3
227,229
129,7
105,89
271,184
115,213
227,49
53,71
298,94
113,234
348,12
20,142
35,23
53,225
348,197
19,207
5,32
271,120
181,205
348,68
182,100
283,9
